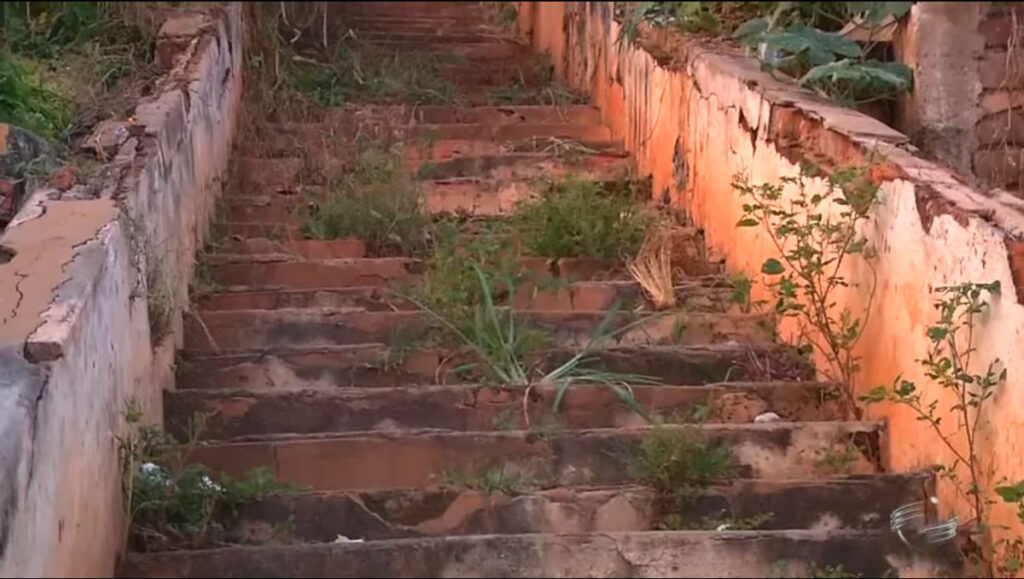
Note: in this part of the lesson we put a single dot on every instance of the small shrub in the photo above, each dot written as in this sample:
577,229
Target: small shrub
171,503
578,218
488,481
816,231
375,201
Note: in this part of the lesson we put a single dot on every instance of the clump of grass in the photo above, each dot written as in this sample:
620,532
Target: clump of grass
25,101
488,481
375,201
579,218
358,71
503,343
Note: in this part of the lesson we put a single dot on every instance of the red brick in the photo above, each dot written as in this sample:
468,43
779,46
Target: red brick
999,101
996,30
62,179
1015,249
993,72
1001,128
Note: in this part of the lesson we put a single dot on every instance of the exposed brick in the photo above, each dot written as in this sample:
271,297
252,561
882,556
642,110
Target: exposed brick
996,30
1001,128
62,179
994,72
999,101
1000,166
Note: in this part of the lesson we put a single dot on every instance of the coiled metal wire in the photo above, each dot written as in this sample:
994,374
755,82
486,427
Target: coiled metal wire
910,522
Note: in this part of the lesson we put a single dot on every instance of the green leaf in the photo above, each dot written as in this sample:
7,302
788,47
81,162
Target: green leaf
751,29
1011,493
937,333
874,76
748,222
772,266
875,395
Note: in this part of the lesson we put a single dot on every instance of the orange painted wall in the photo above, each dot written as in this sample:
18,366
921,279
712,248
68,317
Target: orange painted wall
701,116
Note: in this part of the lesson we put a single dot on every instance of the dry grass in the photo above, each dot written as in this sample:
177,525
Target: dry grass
652,268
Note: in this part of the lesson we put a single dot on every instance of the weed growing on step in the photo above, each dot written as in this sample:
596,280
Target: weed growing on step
949,364
488,481
679,463
359,71
652,269
832,460
374,200
171,503
503,342
815,227
580,218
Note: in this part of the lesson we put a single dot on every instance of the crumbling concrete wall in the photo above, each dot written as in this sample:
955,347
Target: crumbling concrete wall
75,340
694,116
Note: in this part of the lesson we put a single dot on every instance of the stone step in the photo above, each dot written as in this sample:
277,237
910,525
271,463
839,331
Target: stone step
242,412
372,366
447,115
252,274
243,329
712,294
508,177
546,457
422,36
858,553
855,502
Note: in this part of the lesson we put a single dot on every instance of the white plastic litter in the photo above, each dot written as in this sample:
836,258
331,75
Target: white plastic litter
767,417
344,539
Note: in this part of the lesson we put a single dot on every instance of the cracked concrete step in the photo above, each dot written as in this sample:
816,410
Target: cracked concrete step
243,412
862,553
855,502
321,327
374,365
711,294
410,459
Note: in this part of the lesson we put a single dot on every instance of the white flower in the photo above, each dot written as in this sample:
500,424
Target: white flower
210,485
151,468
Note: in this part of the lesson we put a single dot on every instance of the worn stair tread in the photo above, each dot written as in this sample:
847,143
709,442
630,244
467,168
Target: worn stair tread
375,365
235,412
702,294
870,553
409,458
325,326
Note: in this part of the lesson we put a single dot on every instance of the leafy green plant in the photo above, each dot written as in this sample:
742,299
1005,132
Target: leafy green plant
948,364
25,101
170,502
375,201
580,218
829,62
685,16
815,229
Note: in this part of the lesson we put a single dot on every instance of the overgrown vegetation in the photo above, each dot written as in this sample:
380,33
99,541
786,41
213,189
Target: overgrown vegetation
830,47
581,218
359,71
376,201
814,222
172,503
949,365
65,65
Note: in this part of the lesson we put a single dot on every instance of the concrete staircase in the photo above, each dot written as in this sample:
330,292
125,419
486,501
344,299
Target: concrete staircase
293,360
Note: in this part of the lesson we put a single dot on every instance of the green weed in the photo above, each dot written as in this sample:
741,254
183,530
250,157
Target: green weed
488,481
579,218
375,201
171,503
360,72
